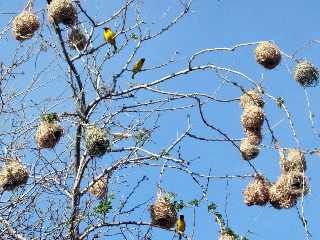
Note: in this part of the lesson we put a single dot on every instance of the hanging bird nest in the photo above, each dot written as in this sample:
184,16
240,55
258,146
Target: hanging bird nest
77,39
306,74
254,136
163,213
62,11
268,54
292,160
99,188
248,151
96,141
251,98
12,175
226,235
257,191
252,118
288,188
25,25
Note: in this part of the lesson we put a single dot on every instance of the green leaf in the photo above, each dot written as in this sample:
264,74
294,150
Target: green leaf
133,36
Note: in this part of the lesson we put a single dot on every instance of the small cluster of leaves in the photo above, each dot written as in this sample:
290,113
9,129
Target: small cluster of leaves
104,206
142,135
280,102
49,117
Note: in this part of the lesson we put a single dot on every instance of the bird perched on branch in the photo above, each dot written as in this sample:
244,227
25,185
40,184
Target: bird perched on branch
137,67
109,37
181,226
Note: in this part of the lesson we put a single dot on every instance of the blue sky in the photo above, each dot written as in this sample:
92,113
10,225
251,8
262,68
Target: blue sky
290,24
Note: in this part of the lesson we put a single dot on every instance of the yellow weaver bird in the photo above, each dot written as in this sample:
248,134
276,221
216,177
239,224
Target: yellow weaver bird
109,37
137,67
181,226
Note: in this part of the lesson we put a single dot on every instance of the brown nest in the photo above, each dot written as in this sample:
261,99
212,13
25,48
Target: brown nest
251,98
248,151
48,134
62,11
292,160
252,118
99,188
163,213
77,39
12,175
257,191
306,74
288,188
254,136
227,236
96,141
25,25
268,54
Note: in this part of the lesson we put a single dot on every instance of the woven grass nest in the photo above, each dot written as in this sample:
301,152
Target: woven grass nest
12,175
163,213
49,132
306,74
257,191
292,160
248,151
227,236
251,98
96,141
25,25
252,118
288,188
254,136
99,188
77,39
62,11
268,54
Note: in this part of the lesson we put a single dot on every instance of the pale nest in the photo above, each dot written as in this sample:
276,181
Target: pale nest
163,213
257,191
254,136
62,11
48,134
292,160
99,188
306,74
12,175
252,118
248,151
25,25
251,98
96,141
268,54
227,236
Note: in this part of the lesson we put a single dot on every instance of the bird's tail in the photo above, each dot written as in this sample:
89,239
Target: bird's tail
180,236
133,74
115,48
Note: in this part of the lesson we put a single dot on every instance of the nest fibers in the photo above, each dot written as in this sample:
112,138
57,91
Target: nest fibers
25,25
288,188
292,160
99,188
252,118
254,136
163,213
48,134
77,39
248,151
268,54
306,74
257,191
251,98
12,175
227,236
96,141
62,11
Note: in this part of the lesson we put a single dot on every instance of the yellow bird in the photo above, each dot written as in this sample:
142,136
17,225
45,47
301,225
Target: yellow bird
137,67
109,37
181,226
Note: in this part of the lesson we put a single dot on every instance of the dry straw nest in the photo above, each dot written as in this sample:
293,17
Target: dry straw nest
292,160
77,39
288,188
99,188
306,74
62,11
227,236
251,98
257,191
25,25
96,141
248,151
252,118
163,213
254,136
12,175
268,54
48,134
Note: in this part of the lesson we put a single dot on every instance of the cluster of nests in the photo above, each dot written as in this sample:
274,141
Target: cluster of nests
269,56
59,11
252,119
291,184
